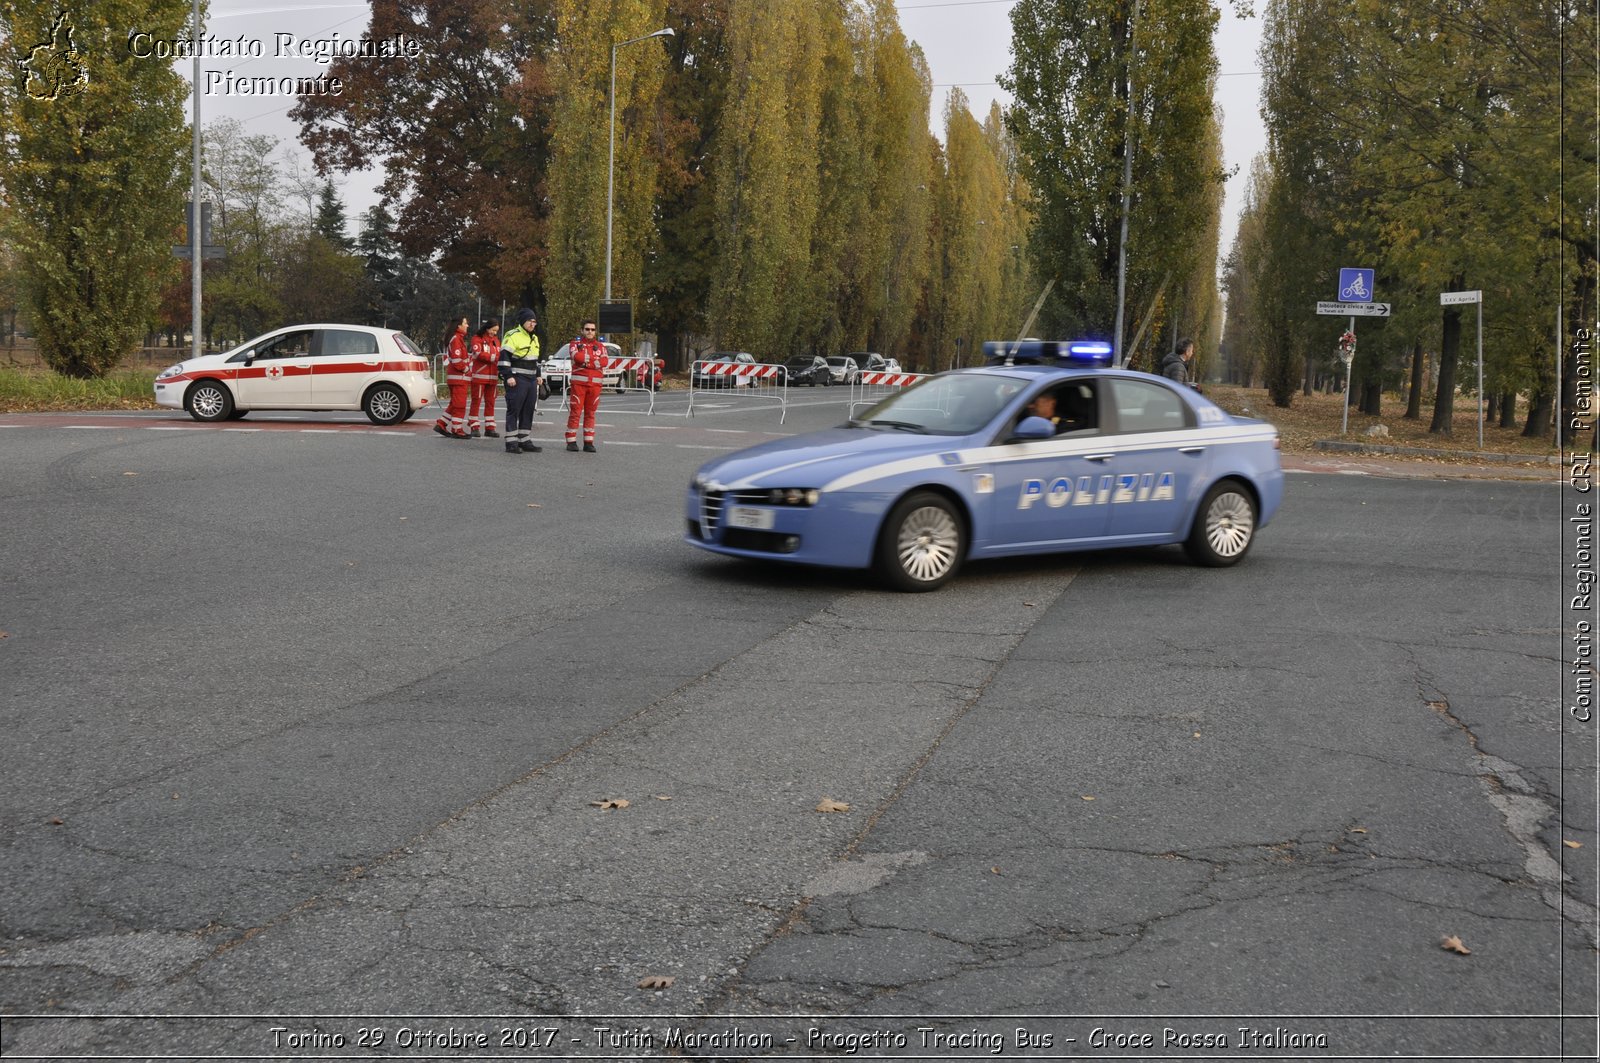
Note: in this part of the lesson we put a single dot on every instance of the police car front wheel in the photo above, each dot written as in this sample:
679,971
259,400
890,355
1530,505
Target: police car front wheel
1224,526
923,543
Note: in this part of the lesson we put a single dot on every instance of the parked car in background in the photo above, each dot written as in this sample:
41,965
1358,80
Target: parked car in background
892,365
870,361
844,369
558,367
304,367
704,378
809,370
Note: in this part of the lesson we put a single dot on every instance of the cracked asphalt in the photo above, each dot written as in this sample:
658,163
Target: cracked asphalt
308,734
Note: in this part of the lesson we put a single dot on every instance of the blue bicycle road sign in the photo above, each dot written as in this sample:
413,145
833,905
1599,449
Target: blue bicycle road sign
1355,285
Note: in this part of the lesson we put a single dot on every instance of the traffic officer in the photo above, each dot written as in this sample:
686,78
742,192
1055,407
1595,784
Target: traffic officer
452,424
588,375
519,372
485,376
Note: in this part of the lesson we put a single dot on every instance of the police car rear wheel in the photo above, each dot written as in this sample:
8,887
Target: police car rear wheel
208,400
1224,527
385,404
922,544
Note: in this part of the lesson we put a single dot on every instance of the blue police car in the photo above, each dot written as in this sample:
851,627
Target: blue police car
1046,449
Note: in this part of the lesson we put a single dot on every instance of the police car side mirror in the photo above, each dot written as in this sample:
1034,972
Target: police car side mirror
1033,428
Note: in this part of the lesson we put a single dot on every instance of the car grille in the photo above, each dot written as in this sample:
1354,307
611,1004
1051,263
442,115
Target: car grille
710,513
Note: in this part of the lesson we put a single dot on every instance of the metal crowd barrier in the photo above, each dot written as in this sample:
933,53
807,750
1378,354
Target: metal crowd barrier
740,381
869,389
635,374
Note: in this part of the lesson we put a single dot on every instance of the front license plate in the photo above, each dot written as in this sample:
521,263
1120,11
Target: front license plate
747,517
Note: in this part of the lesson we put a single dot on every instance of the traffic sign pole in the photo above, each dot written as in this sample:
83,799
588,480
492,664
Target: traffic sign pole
1344,429
1461,299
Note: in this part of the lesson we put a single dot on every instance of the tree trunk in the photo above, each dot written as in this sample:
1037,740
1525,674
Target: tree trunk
1310,375
1538,415
1372,398
1444,398
1414,400
1508,410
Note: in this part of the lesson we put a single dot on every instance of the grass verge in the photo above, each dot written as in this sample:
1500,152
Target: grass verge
1319,416
30,390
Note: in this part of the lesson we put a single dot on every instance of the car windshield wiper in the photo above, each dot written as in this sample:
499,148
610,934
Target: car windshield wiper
904,426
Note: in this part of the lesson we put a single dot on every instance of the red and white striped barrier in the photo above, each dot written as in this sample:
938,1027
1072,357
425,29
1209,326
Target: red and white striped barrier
736,369
738,380
617,379
874,387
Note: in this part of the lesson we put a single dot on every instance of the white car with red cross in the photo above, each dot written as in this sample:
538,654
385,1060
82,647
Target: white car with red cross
378,371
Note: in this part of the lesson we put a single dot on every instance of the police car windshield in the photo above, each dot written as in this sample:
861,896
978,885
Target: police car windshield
955,404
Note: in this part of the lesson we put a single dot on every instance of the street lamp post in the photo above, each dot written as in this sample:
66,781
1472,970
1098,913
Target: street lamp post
611,154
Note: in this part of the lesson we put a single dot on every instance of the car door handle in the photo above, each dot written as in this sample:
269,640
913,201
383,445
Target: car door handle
1098,457
1191,450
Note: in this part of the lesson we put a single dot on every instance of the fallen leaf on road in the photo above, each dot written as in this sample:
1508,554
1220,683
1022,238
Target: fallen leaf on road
1569,845
1197,734
130,474
657,981
994,871
828,804
1028,604
610,803
5,634
534,505
1358,830
174,797
663,797
1088,797
56,821
1453,944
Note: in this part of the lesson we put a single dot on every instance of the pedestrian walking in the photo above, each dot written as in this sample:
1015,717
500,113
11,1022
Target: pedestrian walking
485,379
452,424
589,363
519,372
1179,365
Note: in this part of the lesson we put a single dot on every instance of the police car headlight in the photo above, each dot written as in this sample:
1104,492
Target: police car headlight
169,371
793,496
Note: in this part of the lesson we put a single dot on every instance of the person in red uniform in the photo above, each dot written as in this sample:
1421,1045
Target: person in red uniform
452,424
485,378
589,363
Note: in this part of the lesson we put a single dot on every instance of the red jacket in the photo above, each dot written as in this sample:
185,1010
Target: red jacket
589,361
485,360
458,359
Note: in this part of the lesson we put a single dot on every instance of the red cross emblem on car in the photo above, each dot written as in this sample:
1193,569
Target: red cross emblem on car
274,371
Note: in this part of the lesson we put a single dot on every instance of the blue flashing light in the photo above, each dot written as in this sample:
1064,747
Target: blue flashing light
1077,353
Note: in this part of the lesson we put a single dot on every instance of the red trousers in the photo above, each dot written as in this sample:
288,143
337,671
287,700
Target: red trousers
454,419
581,406
482,406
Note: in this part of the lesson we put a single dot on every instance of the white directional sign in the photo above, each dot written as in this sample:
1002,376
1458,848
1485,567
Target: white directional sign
1458,298
1354,309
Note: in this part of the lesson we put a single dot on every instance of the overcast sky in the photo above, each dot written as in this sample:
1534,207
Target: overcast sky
967,43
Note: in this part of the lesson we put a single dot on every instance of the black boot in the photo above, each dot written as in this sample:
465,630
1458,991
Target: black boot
530,448
572,447
512,448
588,448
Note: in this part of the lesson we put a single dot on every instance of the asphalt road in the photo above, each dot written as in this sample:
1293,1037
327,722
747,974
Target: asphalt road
307,723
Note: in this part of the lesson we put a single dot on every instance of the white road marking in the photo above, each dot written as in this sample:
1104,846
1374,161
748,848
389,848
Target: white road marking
244,429
729,431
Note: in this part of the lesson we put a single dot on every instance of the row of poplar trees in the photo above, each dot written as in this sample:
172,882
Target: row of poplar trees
1449,146
777,186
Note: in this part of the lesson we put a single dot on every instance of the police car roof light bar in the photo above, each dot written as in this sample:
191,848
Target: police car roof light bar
1076,353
